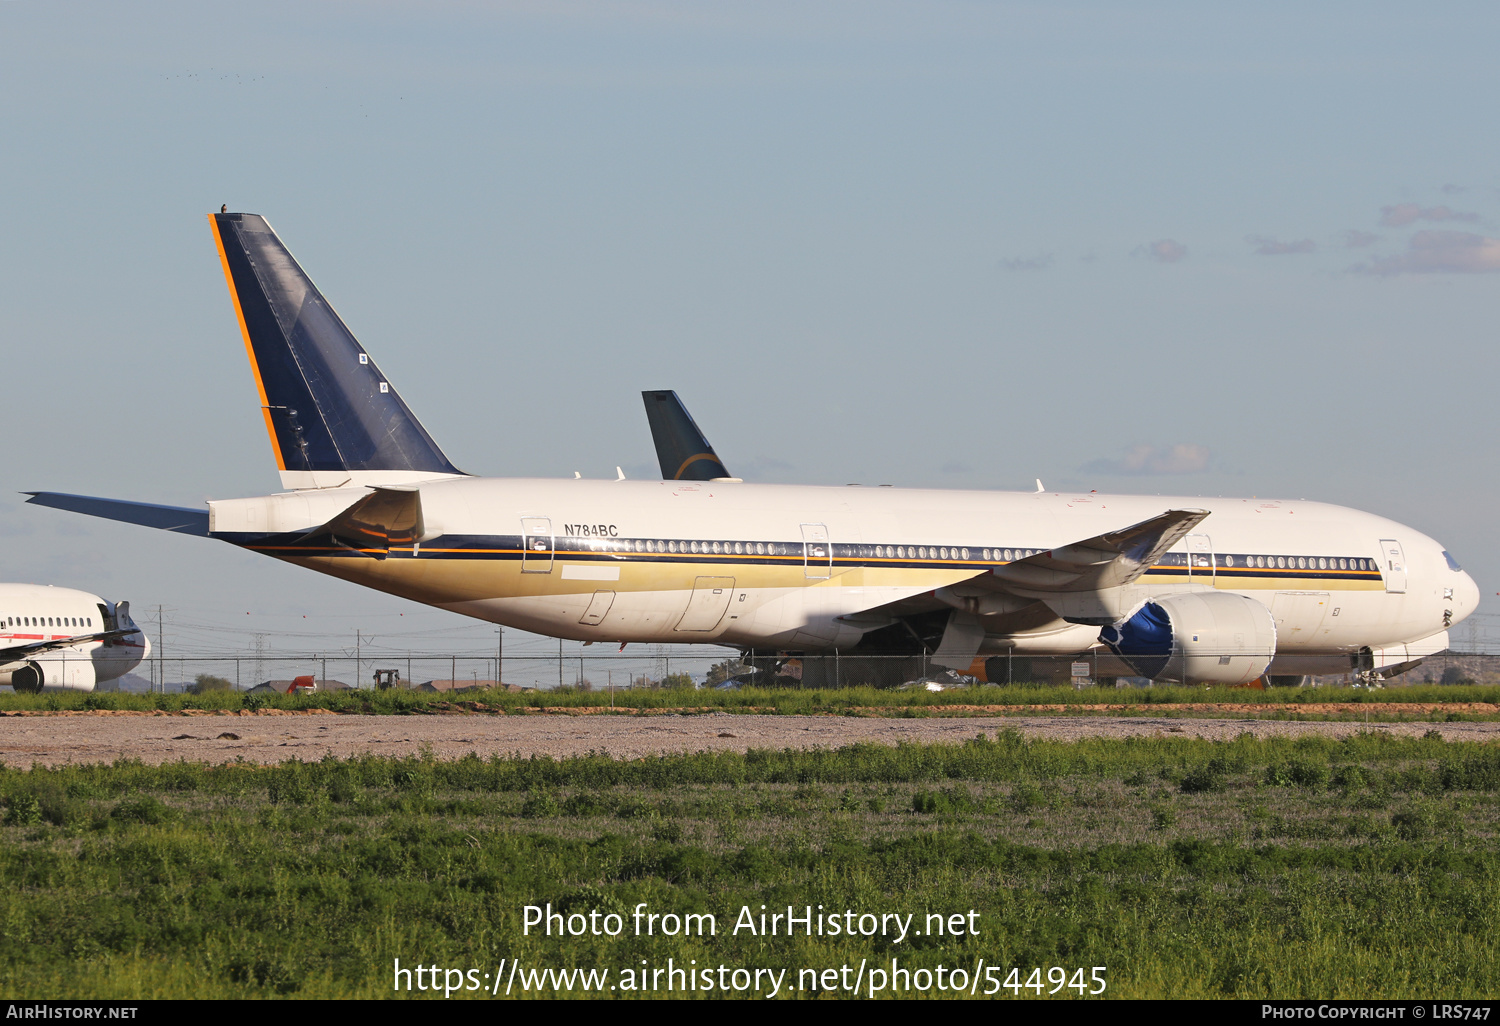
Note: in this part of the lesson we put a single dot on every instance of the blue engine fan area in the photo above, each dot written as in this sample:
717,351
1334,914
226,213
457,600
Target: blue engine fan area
1196,638
1144,641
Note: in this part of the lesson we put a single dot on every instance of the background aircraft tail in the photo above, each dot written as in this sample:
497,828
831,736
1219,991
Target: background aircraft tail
681,449
331,415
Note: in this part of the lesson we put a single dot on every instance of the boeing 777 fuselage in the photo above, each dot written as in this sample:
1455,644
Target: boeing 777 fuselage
1217,591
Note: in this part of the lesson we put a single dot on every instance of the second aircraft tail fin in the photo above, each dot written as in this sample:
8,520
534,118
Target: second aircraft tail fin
683,452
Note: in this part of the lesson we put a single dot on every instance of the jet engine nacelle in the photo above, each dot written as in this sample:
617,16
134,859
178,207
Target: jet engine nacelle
55,672
1197,638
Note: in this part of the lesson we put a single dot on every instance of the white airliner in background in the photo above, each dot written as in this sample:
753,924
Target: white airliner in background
1174,589
62,639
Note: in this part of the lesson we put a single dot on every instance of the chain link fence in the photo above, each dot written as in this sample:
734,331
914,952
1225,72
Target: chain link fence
666,668
174,674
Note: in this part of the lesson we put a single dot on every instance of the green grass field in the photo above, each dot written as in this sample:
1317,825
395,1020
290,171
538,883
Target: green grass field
1256,868
770,700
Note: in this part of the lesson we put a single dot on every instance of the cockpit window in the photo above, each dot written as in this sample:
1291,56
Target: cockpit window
1452,563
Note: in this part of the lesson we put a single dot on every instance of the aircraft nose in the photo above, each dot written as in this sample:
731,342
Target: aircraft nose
1465,597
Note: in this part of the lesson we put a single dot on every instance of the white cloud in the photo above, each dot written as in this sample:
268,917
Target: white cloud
1265,246
1166,251
1036,263
1142,459
762,466
1440,252
1403,214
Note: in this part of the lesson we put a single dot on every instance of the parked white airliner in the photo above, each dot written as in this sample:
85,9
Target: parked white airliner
61,639
1183,589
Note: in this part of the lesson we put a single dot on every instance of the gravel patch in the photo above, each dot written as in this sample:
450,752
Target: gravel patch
55,740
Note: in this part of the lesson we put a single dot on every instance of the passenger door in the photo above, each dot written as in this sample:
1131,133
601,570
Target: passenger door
537,545
1393,566
1200,558
817,552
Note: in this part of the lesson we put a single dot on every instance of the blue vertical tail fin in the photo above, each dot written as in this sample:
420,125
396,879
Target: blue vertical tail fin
332,416
681,448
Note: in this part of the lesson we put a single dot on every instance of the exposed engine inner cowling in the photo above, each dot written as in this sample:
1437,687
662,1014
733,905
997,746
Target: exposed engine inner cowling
27,679
1197,638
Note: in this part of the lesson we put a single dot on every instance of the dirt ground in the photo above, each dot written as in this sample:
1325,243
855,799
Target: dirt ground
104,737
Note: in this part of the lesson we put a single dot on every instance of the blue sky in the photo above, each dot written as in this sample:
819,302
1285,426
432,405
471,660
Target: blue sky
1163,248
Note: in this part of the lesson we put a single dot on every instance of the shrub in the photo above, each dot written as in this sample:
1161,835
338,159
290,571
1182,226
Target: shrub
1025,797
946,801
289,787
141,808
1203,779
1298,773
540,804
23,810
585,803
1350,777
206,682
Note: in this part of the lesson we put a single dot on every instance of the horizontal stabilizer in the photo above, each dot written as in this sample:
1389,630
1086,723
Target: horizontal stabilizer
147,514
681,448
386,518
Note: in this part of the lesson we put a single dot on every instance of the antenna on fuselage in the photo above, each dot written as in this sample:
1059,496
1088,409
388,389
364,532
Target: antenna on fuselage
1039,488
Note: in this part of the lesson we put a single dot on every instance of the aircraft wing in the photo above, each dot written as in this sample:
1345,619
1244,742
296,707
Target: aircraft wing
1089,581
165,518
15,653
